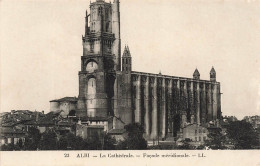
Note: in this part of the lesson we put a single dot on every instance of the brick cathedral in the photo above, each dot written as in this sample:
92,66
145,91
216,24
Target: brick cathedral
109,90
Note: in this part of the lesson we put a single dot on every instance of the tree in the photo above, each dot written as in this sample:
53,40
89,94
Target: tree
8,147
32,139
109,142
242,134
94,142
63,143
121,145
49,141
72,142
186,145
134,140
216,139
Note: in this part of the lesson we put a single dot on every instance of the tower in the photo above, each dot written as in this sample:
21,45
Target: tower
212,74
100,60
196,74
126,60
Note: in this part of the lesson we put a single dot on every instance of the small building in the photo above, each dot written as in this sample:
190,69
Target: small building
105,122
85,131
118,134
11,135
195,133
64,105
65,126
41,122
88,126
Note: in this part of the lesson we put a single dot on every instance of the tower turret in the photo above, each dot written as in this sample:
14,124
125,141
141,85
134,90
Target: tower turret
212,74
196,74
127,60
86,24
116,32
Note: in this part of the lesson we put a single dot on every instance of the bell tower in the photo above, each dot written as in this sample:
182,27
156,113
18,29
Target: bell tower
100,60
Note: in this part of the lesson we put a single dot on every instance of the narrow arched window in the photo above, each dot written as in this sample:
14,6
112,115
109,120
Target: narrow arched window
92,86
99,10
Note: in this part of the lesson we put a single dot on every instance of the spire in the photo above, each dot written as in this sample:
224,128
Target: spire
212,71
129,54
127,62
196,74
212,74
126,51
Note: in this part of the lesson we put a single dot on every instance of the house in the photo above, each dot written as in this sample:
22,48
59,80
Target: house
195,133
11,135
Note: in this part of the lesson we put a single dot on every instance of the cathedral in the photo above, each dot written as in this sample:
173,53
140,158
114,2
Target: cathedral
110,89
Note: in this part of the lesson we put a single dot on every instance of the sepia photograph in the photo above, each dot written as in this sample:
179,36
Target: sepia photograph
130,79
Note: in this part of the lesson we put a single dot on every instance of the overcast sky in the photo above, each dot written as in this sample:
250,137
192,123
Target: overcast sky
41,47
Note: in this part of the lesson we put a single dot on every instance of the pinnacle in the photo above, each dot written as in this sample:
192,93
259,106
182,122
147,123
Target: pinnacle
196,72
212,70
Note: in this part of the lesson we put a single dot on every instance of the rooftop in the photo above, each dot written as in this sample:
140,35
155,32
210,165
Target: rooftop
117,131
68,99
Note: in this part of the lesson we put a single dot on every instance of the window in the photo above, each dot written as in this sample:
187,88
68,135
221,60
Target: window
196,139
204,138
9,140
134,90
195,131
99,10
199,138
199,130
107,13
92,86
109,45
2,141
91,46
107,26
91,66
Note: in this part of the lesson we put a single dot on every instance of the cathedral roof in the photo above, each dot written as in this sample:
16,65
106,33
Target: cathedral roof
196,72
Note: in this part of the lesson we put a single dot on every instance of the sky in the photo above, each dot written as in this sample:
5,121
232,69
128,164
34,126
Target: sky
41,46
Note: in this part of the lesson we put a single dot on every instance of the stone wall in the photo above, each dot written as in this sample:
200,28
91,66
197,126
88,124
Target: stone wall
162,103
